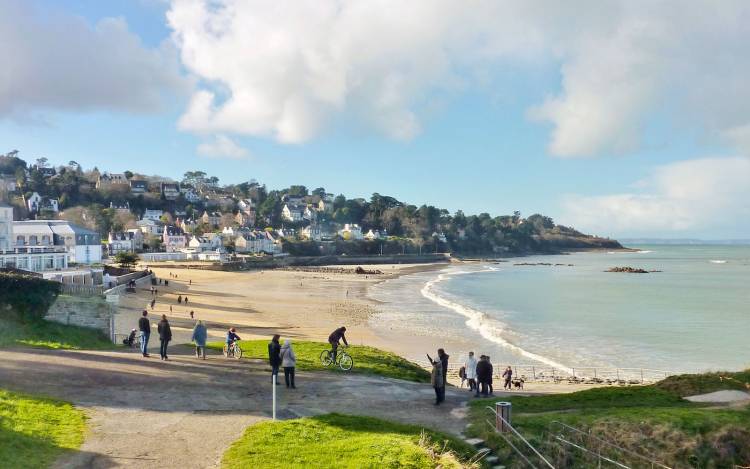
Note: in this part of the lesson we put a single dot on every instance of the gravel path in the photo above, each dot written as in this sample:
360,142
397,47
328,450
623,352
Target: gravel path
184,413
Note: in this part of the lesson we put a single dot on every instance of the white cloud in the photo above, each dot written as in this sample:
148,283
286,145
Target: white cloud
53,61
222,147
708,195
286,69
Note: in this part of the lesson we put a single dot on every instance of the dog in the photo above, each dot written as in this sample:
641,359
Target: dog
518,383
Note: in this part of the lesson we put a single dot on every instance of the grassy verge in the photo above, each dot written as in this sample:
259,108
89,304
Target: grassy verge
367,360
35,431
649,420
52,335
344,441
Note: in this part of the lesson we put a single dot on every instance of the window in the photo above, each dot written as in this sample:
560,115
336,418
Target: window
33,240
45,240
20,240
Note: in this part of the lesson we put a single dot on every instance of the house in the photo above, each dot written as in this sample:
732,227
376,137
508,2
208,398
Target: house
150,214
36,204
138,186
312,232
190,195
212,219
310,214
44,171
121,207
151,227
372,235
246,206
83,245
174,239
188,226
111,179
170,190
440,237
8,183
38,257
226,204
325,204
351,232
128,241
200,244
257,242
293,212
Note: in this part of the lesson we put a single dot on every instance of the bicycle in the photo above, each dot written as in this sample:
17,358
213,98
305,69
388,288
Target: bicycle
233,350
343,359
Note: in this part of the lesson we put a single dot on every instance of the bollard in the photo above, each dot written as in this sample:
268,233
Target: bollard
503,410
273,386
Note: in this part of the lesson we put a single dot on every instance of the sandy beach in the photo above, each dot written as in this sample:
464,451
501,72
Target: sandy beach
298,304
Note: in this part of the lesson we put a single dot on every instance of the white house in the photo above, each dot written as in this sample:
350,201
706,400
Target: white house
209,242
138,186
257,242
6,227
212,219
312,232
123,207
152,214
36,258
174,239
170,190
326,203
128,241
36,203
83,246
190,195
151,227
372,235
246,205
351,232
293,212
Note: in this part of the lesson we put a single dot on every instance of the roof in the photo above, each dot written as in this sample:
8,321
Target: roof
58,227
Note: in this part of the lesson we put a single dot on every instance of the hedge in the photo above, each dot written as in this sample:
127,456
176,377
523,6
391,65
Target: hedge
26,298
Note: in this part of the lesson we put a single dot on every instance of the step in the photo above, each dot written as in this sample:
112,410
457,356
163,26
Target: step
476,442
491,459
484,452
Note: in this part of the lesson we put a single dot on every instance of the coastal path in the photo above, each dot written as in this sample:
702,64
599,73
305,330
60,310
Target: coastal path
185,412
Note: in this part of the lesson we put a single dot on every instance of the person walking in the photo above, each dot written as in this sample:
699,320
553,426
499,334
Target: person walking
186,299
145,327
444,361
165,335
508,375
153,302
288,362
483,373
471,371
200,334
274,350
491,374
436,379
192,314
179,299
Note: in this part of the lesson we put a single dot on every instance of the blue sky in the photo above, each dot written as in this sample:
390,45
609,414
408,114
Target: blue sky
433,118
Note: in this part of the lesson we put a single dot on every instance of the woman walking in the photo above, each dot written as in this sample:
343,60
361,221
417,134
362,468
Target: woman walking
165,335
288,362
436,379
200,334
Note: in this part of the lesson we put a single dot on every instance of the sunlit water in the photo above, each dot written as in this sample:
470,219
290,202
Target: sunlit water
693,315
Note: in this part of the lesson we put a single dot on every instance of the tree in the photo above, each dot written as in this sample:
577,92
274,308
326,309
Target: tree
128,174
126,260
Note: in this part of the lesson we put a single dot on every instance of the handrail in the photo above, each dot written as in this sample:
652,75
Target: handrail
609,443
521,437
510,443
612,461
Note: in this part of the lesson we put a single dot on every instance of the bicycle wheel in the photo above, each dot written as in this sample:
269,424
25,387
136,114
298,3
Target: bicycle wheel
237,351
325,358
346,362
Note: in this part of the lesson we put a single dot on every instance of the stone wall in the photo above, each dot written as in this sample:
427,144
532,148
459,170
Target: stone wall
91,311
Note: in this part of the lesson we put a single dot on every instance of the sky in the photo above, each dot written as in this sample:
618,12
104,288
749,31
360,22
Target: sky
620,118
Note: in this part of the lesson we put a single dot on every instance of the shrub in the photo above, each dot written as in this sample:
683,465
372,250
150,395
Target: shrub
25,297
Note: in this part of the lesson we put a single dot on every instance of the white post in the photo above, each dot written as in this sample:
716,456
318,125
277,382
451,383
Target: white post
273,386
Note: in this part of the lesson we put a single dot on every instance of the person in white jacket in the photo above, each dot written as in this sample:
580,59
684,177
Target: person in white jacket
471,371
288,362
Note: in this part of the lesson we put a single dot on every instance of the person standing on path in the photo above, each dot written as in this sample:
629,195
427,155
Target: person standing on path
185,299
483,372
436,379
200,334
153,302
145,327
165,335
274,351
288,362
491,374
471,371
508,375
179,299
444,360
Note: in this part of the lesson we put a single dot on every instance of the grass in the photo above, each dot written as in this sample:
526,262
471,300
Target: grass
47,334
35,431
344,441
649,420
367,360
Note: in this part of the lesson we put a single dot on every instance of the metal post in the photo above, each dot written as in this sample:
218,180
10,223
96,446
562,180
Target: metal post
273,386
641,375
503,415
533,371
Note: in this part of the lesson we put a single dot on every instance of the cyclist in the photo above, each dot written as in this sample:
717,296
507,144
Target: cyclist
232,337
334,339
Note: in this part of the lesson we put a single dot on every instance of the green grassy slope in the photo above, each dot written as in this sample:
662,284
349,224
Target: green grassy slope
49,334
35,431
367,360
344,441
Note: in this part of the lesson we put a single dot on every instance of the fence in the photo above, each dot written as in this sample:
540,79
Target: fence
581,375
81,289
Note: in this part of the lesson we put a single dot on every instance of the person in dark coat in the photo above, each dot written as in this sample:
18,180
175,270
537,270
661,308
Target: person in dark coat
145,327
165,335
443,359
484,371
508,375
274,356
436,379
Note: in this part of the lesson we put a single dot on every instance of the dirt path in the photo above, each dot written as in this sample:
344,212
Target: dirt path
185,412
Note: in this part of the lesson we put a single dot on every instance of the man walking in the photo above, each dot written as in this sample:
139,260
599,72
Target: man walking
471,371
274,356
145,327
508,375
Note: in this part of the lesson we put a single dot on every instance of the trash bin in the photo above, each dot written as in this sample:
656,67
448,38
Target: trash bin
503,410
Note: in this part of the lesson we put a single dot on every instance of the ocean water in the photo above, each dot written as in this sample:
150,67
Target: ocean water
694,315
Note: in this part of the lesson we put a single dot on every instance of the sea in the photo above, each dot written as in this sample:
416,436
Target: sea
691,315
